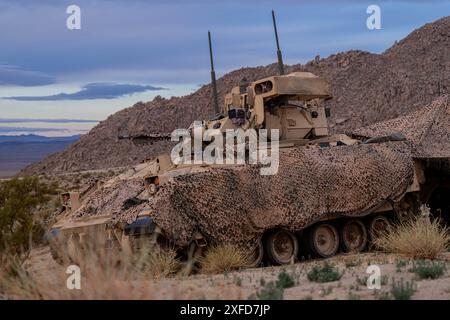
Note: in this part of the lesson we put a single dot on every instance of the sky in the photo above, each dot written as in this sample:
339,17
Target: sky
132,50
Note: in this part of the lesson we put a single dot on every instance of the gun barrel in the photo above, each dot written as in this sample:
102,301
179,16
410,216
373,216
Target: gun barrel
279,56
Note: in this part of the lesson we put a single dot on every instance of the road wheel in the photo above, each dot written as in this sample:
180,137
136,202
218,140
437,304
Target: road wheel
377,225
257,255
324,240
354,236
282,247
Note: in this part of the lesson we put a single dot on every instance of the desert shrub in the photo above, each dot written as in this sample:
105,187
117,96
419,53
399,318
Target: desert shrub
325,273
52,187
353,296
418,238
98,281
285,280
361,281
326,291
270,292
237,281
352,263
145,259
426,269
400,264
262,282
402,290
19,198
105,274
383,296
224,258
163,264
274,290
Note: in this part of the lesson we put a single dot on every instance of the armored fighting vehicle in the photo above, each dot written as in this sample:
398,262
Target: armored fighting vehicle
330,193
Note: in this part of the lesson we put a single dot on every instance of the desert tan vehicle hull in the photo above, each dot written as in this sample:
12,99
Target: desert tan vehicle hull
274,238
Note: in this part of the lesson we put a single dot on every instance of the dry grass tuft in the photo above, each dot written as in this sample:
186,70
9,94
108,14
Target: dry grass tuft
160,264
105,274
417,238
224,258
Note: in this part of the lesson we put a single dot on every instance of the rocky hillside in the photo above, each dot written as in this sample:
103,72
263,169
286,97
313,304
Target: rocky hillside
366,87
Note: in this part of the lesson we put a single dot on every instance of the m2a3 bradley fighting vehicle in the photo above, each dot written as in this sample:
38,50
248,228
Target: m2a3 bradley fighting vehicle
330,193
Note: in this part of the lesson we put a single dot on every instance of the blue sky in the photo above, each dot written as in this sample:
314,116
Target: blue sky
129,51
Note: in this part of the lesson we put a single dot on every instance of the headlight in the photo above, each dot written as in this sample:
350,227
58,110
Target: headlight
152,188
151,184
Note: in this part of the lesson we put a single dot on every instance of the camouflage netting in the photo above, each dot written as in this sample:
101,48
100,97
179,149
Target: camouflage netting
238,204
428,129
115,199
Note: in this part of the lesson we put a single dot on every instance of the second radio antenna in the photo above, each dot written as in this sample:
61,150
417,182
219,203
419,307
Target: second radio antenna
280,57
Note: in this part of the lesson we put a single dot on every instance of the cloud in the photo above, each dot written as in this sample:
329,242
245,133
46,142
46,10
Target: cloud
92,91
161,42
18,120
136,36
27,129
11,75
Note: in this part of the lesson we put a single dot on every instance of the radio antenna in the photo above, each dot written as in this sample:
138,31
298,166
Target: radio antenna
280,57
213,78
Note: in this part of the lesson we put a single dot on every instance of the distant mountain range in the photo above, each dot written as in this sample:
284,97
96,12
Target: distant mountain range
14,120
16,152
36,138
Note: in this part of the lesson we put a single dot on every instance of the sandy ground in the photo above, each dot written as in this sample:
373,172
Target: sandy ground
245,284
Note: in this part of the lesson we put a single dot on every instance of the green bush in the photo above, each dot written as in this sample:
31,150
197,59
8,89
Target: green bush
400,264
270,292
285,280
19,198
274,290
426,269
326,273
402,290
